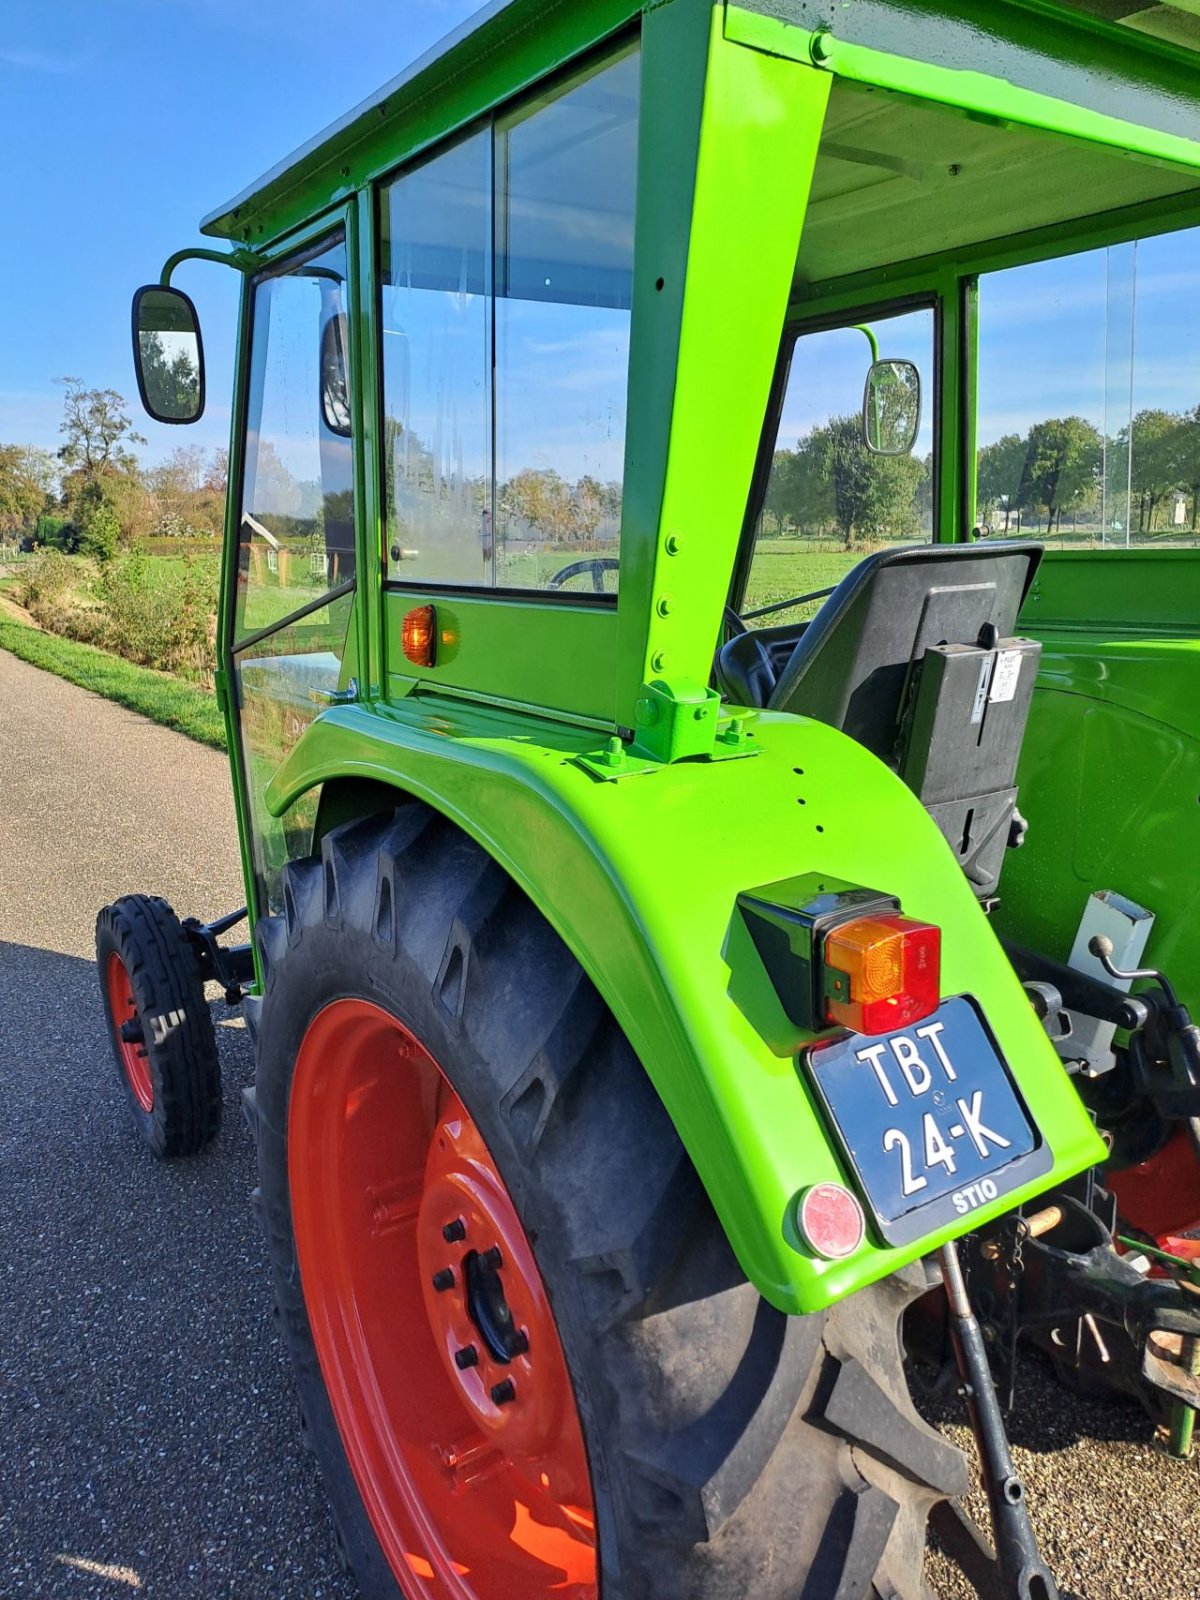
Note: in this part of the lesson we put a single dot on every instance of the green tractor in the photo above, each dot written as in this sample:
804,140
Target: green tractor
662,1043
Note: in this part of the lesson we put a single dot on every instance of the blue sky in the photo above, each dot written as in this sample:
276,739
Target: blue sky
123,123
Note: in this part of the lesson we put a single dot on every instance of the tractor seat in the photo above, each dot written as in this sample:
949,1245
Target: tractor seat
913,656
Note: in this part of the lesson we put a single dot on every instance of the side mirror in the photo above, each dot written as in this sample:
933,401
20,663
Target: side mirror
335,383
891,408
168,355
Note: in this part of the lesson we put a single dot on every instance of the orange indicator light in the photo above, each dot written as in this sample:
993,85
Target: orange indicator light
882,972
418,636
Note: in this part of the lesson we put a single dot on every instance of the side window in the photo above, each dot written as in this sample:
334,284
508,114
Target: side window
507,288
1088,425
295,586
829,501
297,525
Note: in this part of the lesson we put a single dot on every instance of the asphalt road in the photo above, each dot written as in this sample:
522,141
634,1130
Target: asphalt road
148,1435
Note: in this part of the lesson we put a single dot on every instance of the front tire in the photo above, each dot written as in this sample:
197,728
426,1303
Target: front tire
430,1055
159,1024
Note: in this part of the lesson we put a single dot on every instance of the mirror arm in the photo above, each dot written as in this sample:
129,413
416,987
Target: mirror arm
240,260
861,327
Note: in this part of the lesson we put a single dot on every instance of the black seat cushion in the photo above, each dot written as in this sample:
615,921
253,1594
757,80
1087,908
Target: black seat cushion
749,664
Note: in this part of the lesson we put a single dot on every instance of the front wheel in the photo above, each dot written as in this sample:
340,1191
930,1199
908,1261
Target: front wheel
159,1024
526,1357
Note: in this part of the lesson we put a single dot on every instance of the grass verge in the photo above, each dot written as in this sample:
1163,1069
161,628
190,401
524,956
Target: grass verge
163,699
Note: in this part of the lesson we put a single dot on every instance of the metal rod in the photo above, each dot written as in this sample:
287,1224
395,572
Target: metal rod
1022,1571
1183,1416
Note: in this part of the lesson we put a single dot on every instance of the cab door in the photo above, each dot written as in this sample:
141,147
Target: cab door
293,590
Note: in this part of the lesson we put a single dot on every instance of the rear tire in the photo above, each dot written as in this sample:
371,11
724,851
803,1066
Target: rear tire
159,1024
734,1453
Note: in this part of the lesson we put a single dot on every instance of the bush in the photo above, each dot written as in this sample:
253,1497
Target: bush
45,583
160,616
98,522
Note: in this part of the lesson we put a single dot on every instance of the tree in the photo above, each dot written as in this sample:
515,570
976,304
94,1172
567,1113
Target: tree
1188,449
1156,465
874,496
97,429
998,477
1062,462
96,521
799,491
26,483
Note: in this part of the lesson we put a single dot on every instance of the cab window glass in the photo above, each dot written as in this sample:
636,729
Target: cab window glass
507,288
829,500
297,524
1089,397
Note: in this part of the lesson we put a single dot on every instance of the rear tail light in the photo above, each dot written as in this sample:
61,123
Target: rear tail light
881,972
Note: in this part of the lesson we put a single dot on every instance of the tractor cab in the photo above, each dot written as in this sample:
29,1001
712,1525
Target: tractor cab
684,471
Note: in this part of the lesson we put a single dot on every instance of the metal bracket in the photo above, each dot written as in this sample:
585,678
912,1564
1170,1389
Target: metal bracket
722,738
233,968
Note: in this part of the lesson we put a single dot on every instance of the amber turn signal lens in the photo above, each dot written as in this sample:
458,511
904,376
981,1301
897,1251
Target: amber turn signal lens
882,972
418,636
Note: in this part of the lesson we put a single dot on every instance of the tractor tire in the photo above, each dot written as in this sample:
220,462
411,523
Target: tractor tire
159,1024
527,1360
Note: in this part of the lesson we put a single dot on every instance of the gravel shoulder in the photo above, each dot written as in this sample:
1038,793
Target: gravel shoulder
149,1437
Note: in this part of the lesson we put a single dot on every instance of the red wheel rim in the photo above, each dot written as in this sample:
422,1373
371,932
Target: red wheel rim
472,1470
135,1063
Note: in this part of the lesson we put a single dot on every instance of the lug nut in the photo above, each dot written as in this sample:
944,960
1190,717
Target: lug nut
443,1279
504,1392
518,1344
468,1356
454,1231
492,1258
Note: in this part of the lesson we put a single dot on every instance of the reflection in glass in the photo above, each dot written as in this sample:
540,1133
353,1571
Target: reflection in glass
829,499
282,681
566,174
297,521
436,320
1089,397
538,292
170,365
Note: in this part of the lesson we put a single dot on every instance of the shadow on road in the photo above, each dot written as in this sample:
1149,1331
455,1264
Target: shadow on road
149,1434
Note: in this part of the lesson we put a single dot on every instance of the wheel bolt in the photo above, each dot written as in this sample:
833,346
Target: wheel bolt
444,1279
504,1392
492,1258
454,1231
518,1344
468,1356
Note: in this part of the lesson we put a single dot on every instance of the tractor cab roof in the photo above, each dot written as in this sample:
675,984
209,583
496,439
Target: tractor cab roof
888,145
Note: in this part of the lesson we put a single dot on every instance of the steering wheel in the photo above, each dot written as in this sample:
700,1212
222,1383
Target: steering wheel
596,565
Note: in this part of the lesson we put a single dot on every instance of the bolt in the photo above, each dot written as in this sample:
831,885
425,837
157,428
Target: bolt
674,544
492,1258
664,606
444,1279
518,1344
658,660
614,753
468,1356
454,1231
132,1032
504,1392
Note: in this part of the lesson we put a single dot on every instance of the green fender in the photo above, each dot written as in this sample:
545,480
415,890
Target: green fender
640,875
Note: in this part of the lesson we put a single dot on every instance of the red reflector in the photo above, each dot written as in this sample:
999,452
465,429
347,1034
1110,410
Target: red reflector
830,1221
882,972
418,636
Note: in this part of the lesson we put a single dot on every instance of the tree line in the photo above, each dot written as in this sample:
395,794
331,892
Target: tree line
94,495
830,484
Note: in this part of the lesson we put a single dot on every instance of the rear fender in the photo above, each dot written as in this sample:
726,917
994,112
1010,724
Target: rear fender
640,875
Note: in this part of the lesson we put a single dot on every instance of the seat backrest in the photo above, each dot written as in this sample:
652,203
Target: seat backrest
747,667
852,665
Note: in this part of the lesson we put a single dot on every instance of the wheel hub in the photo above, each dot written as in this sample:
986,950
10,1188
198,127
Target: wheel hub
483,1294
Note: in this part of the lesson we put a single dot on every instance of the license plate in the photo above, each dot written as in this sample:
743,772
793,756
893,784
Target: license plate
929,1119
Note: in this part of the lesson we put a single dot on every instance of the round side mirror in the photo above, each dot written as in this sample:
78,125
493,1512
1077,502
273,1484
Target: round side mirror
168,355
891,408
